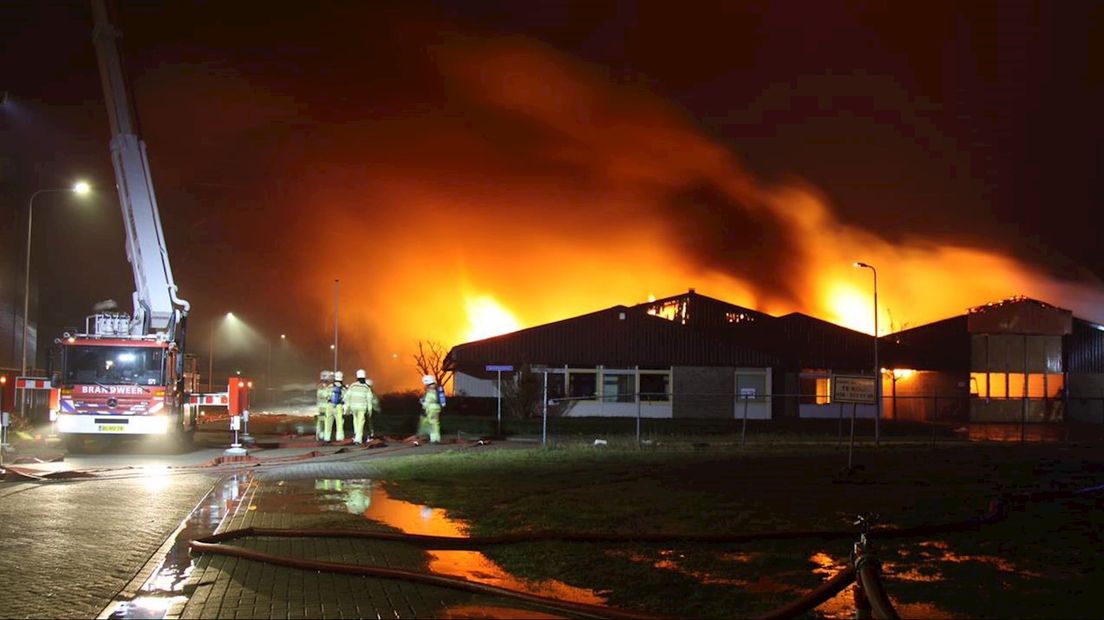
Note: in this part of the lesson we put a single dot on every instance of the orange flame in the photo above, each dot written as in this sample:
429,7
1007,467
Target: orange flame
479,230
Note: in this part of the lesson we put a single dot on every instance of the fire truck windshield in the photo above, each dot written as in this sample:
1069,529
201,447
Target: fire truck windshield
113,365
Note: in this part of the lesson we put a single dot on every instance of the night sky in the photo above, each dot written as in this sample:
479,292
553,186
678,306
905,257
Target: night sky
552,158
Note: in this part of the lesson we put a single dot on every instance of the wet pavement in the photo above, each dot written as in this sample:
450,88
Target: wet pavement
67,548
163,587
346,496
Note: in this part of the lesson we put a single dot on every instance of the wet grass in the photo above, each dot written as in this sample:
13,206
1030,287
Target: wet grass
1041,562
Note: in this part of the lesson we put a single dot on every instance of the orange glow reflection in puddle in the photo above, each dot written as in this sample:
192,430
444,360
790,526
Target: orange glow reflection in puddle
370,500
671,561
842,605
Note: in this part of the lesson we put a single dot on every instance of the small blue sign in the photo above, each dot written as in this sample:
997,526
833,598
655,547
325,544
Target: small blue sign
493,368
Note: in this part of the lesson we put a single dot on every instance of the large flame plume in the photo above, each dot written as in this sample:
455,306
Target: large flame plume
549,191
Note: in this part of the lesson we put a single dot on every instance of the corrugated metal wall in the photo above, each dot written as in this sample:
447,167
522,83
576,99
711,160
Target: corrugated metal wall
1084,348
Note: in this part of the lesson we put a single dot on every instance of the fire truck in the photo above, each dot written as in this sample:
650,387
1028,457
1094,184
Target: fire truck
126,374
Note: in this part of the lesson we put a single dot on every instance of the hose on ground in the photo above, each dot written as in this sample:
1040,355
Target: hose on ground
811,600
869,575
866,571
206,545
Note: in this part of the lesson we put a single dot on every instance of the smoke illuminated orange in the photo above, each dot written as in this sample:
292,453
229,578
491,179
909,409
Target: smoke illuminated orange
488,231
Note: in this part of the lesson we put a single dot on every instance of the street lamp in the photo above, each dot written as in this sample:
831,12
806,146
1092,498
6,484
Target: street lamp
337,298
211,353
877,368
81,189
269,383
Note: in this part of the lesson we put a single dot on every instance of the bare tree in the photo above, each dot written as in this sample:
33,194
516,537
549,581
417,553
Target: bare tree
430,360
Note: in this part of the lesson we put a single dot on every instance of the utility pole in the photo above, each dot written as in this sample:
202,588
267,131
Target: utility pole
337,299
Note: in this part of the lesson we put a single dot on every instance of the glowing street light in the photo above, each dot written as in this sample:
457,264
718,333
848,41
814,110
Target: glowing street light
877,368
211,352
81,189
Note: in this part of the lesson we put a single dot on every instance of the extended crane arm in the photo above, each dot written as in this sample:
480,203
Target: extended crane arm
157,309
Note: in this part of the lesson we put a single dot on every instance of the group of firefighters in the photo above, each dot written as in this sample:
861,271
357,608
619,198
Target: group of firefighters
335,398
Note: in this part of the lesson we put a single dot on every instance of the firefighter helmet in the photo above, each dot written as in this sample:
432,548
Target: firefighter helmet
325,376
429,380
361,374
339,376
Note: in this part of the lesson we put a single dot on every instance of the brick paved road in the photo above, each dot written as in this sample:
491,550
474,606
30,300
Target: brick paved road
67,548
223,587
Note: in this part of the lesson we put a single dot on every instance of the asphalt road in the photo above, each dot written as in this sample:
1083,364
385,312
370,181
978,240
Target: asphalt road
66,548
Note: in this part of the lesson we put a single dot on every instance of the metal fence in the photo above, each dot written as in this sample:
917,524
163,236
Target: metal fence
650,419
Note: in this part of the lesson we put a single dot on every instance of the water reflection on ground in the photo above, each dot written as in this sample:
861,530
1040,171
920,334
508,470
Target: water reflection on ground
164,588
370,499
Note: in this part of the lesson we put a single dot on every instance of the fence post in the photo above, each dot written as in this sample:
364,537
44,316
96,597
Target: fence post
934,419
544,421
743,431
851,447
638,420
839,439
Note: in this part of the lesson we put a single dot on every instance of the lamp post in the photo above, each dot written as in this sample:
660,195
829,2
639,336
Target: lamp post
337,298
211,353
877,368
81,188
269,382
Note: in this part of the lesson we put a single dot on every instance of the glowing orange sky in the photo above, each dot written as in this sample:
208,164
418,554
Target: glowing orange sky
465,251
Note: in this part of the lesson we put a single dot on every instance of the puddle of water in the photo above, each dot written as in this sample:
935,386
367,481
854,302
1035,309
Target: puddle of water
370,499
164,588
842,605
671,561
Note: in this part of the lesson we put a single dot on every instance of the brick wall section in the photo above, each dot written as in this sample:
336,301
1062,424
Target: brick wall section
703,392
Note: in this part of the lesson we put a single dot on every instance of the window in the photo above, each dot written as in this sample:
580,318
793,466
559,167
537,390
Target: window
582,384
1055,383
111,365
979,384
815,390
998,385
1016,385
555,384
1036,386
618,387
655,386
752,386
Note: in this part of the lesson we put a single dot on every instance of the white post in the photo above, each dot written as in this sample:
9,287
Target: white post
499,402
544,422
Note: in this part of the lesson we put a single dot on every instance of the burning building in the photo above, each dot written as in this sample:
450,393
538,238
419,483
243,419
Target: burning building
693,356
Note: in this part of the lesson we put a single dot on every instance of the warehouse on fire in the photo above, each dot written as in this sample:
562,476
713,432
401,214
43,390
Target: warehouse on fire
691,355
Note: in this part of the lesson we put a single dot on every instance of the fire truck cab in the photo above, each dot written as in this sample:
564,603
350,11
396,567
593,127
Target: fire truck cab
114,383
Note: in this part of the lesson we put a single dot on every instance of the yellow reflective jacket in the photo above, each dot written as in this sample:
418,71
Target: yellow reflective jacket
359,395
430,402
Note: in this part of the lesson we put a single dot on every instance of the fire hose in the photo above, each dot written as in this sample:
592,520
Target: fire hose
865,569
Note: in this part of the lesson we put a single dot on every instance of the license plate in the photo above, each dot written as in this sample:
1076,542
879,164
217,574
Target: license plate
112,428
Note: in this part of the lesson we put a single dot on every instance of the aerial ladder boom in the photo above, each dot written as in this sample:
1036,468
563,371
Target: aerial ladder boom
157,309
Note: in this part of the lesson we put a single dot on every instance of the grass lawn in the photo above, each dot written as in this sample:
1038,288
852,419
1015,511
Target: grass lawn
1043,562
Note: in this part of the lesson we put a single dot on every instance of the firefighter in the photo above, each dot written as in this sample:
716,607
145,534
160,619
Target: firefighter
431,407
322,398
335,409
373,408
360,400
